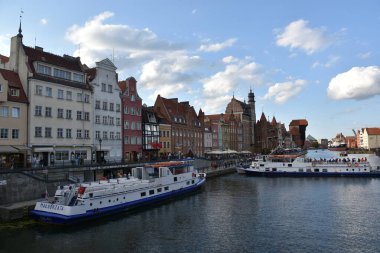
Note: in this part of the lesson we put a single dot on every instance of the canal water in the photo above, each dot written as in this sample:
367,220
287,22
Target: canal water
232,213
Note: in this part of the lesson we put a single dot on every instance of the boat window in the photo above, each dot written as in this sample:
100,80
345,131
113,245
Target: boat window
159,189
175,179
308,170
91,195
117,199
192,181
124,197
365,169
188,182
316,170
324,170
353,169
151,192
290,165
266,169
274,169
300,170
261,165
166,188
100,202
109,201
143,194
346,169
90,204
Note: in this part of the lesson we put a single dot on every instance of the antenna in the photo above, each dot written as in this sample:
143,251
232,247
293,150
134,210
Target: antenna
113,55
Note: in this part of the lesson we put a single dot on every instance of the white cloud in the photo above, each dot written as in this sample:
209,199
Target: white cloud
5,42
238,73
365,55
167,76
298,35
97,40
330,62
282,92
357,83
217,46
43,21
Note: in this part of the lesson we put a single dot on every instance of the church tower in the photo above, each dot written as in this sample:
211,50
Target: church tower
252,109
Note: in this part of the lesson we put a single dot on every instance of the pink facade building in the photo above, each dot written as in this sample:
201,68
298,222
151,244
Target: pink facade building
131,117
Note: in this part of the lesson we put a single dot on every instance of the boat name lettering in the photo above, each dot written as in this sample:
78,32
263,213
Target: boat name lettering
51,206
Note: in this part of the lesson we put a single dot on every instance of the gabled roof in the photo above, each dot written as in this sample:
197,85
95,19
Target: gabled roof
14,82
107,63
262,118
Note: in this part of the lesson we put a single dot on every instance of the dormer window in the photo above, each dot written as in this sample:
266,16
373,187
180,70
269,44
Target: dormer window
43,69
62,74
78,77
15,92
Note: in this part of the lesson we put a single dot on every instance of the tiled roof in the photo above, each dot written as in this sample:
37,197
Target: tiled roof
373,131
299,122
122,85
4,59
67,62
14,82
91,74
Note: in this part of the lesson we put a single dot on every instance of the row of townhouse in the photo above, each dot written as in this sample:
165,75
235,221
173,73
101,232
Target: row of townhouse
368,138
54,110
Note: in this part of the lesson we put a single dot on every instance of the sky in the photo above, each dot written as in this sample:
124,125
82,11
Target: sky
318,60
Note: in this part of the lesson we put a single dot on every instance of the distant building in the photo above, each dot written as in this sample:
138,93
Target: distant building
297,129
150,135
187,127
371,138
13,116
351,142
208,139
165,138
323,143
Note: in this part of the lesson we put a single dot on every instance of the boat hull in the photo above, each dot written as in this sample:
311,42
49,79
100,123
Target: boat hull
55,218
311,174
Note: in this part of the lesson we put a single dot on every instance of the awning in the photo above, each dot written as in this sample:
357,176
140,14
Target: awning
8,149
21,148
46,149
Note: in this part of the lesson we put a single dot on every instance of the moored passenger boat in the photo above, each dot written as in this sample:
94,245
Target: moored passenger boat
300,166
149,184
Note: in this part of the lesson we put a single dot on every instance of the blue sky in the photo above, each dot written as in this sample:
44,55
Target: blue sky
317,60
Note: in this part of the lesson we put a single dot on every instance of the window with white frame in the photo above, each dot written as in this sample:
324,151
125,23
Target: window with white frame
38,132
117,136
49,92
126,139
111,121
15,112
97,104
48,132
87,116
3,133
104,87
126,124
60,94
105,120
111,135
118,122
39,90
69,95
15,133
126,110
133,125
68,133
110,88
111,107
87,134
79,97
48,112
1,87
60,113
86,98
62,155
79,133
59,132
4,111
97,119
79,115
97,135
62,74
15,92
68,114
105,106
78,77
105,136
38,110
118,107
43,69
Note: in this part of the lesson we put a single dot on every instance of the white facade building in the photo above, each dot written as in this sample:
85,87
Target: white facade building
107,120
60,109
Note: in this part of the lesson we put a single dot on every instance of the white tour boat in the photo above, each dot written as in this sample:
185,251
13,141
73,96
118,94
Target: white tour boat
293,165
149,184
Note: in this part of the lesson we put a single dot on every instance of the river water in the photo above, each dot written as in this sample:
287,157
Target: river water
232,213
